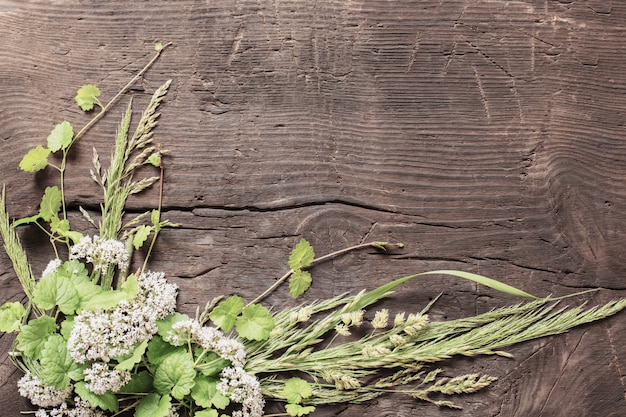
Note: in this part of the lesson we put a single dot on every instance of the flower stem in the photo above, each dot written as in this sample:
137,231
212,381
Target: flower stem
378,245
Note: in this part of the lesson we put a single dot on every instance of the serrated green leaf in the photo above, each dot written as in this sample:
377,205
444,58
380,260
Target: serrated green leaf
212,364
61,136
141,235
87,96
134,358
107,401
66,327
154,405
11,316
159,349
155,218
35,160
297,410
139,383
225,314
204,390
54,290
302,255
32,338
56,362
74,270
62,228
296,389
50,203
255,323
175,375
299,282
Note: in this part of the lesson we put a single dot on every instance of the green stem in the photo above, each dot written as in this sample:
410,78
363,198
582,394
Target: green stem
157,226
377,245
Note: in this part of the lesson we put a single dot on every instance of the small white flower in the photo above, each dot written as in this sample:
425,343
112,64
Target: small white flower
380,319
52,267
39,394
100,252
100,378
243,388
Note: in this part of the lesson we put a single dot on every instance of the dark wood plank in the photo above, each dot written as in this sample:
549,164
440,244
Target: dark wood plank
486,136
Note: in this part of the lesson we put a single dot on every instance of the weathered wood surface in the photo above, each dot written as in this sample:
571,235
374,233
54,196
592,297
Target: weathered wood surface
487,136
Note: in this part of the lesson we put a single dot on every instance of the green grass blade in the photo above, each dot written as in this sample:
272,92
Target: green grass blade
488,282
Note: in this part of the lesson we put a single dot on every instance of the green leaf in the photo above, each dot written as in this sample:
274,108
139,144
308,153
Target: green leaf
164,326
302,255
61,136
224,315
11,316
175,375
158,46
212,364
204,391
299,282
87,96
67,326
154,405
141,235
50,203
54,290
155,159
206,413
296,389
137,355
298,410
62,228
35,160
139,383
255,323
56,362
32,338
492,283
159,349
107,401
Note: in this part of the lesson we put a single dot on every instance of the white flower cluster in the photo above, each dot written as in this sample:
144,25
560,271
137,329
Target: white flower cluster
209,338
100,252
102,335
40,394
100,378
52,267
79,409
243,388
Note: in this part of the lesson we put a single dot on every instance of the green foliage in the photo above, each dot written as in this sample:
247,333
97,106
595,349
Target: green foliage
107,401
33,336
141,235
297,389
35,160
140,383
302,255
136,356
11,316
57,364
225,314
154,405
175,375
205,393
61,136
298,410
56,291
87,97
299,282
255,323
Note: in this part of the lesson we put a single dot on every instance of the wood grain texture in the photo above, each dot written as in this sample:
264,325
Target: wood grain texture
487,136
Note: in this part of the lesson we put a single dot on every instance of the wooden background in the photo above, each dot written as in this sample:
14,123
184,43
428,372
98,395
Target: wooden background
487,136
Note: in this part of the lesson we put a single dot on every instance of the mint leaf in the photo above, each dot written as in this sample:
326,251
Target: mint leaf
87,96
61,136
224,315
11,315
107,401
302,255
50,203
255,323
154,405
175,375
33,336
297,410
299,282
56,362
141,235
35,160
54,290
204,390
296,389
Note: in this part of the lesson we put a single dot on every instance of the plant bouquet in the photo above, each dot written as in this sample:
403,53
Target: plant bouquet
99,337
